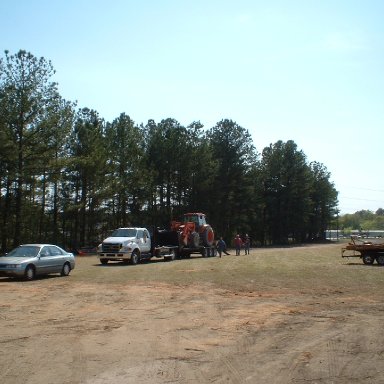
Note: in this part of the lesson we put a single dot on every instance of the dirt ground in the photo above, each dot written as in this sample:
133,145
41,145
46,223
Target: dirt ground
67,330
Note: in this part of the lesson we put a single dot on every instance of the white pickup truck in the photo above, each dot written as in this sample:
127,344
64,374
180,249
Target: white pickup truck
131,245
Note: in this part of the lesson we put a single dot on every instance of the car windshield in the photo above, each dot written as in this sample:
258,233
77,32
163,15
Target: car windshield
24,251
124,232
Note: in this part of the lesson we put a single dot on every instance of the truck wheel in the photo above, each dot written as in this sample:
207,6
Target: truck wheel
208,236
135,258
368,259
104,261
380,259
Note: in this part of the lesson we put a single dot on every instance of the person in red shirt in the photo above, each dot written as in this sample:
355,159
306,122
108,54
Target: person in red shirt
238,244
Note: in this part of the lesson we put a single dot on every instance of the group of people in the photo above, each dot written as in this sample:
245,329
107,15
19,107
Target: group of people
239,243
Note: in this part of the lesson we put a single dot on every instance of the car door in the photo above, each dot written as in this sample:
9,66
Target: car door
45,264
56,259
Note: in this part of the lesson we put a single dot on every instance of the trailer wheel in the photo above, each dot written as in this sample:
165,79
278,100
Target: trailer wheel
380,259
172,257
368,259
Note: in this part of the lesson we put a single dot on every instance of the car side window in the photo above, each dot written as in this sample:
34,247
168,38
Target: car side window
54,251
140,234
45,252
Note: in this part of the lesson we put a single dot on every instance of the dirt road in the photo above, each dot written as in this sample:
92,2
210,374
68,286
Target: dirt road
73,330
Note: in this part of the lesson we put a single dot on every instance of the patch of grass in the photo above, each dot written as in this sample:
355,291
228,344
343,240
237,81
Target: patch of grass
319,267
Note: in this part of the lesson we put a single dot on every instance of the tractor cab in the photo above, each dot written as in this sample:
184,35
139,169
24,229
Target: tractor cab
197,218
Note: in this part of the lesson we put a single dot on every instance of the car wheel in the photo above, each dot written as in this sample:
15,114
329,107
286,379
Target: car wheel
135,258
66,269
104,261
30,272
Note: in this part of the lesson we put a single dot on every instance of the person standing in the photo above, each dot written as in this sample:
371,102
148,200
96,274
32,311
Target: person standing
247,244
222,247
238,244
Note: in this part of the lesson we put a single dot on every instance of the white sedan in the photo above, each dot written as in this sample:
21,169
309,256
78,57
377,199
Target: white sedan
31,260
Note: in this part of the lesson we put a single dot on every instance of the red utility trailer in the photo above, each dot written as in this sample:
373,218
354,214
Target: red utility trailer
368,251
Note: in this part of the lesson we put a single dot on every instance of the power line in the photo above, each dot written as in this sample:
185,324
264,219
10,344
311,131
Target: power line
359,198
365,189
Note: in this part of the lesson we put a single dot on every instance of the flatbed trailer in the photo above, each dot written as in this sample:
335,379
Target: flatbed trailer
168,240
368,251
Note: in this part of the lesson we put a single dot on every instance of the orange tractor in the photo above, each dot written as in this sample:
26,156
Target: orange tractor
193,231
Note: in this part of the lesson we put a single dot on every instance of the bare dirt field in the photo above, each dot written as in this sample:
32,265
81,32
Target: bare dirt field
281,315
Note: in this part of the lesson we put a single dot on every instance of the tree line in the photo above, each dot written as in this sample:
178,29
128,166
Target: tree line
68,176
363,220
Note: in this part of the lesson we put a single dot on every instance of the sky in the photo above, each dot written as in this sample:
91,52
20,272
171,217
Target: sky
311,71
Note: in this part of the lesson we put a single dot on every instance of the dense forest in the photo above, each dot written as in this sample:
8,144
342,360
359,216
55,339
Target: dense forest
68,176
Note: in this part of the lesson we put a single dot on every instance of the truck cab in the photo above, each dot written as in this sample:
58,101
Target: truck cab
126,244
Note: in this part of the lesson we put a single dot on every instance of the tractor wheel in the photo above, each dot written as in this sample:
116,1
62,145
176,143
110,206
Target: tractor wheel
208,236
194,240
181,239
